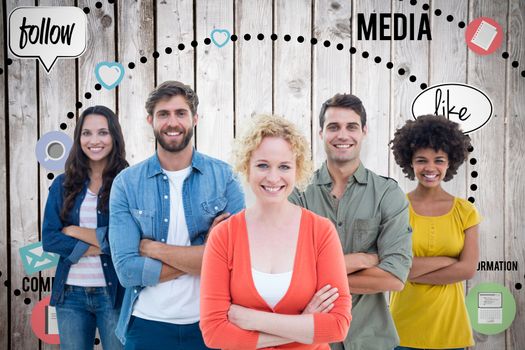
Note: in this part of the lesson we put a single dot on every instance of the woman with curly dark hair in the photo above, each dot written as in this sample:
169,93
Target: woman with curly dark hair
430,312
86,291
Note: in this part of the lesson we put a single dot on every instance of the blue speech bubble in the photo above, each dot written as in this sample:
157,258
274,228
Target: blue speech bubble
52,150
220,37
109,74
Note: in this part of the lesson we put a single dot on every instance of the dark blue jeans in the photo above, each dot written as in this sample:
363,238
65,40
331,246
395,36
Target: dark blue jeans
83,311
152,335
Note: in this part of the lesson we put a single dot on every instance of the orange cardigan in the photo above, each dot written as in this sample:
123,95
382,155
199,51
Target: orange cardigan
226,279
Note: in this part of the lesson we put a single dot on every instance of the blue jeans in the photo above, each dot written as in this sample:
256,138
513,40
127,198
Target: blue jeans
153,335
83,310
405,348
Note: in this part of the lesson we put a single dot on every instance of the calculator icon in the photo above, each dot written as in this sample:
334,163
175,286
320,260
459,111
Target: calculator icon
490,308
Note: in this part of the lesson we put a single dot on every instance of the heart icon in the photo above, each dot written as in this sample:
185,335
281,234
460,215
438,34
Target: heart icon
220,37
109,74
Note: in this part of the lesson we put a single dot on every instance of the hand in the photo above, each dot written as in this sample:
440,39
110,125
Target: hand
322,301
241,316
92,251
68,230
216,221
147,247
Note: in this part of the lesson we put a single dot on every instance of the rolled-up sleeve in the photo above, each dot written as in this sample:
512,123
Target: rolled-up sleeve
124,240
394,242
53,239
334,325
234,195
217,330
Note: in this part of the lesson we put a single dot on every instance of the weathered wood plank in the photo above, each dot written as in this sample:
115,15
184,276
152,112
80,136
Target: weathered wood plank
135,41
369,77
214,80
514,166
57,96
487,73
447,63
23,185
331,67
4,243
407,55
253,66
292,63
175,26
100,48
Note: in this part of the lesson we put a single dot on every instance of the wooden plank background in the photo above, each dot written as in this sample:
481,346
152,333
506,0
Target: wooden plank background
250,76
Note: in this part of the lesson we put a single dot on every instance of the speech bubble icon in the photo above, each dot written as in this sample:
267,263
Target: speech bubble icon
47,33
464,104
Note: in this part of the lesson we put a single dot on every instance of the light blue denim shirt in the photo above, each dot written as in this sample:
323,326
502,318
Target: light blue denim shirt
140,208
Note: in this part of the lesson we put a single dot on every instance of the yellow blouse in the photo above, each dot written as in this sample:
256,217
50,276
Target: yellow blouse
435,316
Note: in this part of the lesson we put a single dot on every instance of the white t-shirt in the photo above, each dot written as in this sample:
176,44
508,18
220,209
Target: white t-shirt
271,286
175,301
87,272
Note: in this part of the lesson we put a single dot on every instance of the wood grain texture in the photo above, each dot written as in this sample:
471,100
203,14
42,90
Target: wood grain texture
214,80
23,186
253,67
514,165
331,68
57,96
175,26
367,79
448,63
488,74
100,48
412,57
292,63
4,243
135,34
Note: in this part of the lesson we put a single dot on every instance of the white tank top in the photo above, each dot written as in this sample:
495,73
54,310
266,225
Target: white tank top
271,286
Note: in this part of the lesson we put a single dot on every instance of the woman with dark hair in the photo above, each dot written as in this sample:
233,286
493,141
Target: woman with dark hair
430,312
86,291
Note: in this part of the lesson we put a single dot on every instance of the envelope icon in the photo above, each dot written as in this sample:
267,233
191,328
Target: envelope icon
35,259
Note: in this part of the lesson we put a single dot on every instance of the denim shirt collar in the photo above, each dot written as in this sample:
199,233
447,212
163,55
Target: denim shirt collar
154,167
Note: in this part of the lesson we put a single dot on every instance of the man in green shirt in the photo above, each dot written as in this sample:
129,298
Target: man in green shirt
370,213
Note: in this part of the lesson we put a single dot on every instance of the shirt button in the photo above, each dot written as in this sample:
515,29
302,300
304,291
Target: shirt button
135,291
98,211
163,240
165,220
216,208
105,264
109,283
140,212
340,223
165,177
165,196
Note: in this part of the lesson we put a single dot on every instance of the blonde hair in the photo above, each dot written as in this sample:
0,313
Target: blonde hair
273,126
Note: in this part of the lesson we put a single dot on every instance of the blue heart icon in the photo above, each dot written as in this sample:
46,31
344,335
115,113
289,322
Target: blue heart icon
109,74
220,37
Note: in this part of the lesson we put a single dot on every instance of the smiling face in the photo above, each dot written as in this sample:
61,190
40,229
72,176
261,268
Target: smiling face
342,135
272,170
430,167
95,140
173,123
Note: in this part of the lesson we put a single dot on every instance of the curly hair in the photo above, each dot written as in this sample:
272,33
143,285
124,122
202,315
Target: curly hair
77,168
430,131
273,126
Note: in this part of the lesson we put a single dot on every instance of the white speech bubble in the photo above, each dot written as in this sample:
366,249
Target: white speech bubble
47,33
464,104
